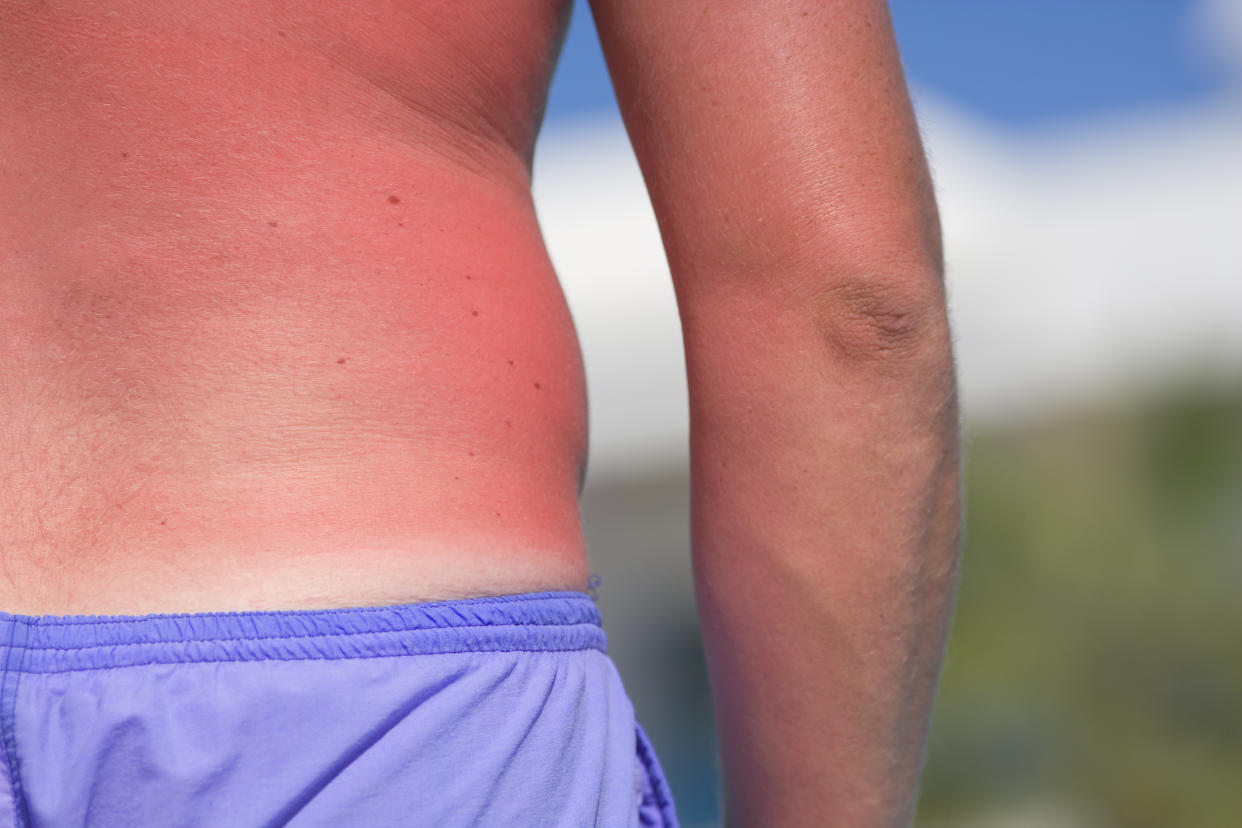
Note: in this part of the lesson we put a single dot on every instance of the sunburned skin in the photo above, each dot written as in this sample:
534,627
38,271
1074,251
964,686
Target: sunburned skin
279,328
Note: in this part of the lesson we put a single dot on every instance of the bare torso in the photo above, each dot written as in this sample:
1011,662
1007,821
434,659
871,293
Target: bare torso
277,323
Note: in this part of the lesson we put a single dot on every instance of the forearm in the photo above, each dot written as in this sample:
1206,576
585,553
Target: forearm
826,514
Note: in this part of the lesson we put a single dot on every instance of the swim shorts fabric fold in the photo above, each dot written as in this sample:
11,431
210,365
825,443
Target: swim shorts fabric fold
499,711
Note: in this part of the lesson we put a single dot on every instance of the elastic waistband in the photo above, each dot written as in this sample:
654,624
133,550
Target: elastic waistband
536,621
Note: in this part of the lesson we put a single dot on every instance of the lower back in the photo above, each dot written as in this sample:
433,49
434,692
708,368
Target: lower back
312,361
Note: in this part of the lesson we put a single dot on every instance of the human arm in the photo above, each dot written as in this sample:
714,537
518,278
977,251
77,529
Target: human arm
784,164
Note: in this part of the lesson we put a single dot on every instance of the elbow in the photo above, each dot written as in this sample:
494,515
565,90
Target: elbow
881,321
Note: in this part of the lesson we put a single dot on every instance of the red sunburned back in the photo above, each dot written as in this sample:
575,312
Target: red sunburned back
278,322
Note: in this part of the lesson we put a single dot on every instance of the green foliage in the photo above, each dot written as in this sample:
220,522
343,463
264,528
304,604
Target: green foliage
1096,651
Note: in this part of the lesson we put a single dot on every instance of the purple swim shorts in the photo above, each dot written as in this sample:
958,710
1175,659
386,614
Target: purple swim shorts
502,711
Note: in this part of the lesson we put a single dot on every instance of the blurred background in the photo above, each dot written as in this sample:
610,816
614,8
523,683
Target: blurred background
1088,161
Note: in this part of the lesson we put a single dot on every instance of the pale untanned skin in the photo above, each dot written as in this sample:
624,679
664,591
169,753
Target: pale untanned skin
280,332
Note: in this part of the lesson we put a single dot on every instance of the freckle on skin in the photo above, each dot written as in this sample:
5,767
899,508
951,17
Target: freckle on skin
401,224
474,313
392,199
509,361
125,155
508,423
538,386
282,34
341,361
271,224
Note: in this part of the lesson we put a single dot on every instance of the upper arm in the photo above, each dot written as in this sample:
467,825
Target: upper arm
773,137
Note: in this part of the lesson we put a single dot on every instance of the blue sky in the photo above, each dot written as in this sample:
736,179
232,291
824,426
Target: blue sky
1019,64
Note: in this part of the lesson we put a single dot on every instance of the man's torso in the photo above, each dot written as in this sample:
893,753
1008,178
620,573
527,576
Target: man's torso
278,325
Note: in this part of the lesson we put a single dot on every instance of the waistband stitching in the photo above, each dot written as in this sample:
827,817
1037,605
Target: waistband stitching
301,636
27,670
